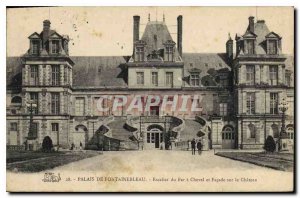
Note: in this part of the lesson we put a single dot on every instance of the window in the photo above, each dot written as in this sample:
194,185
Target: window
139,53
16,100
274,103
55,103
169,79
228,133
223,82
273,75
250,46
195,79
79,106
223,109
34,75
54,127
250,75
290,133
155,78
34,98
35,47
250,103
148,137
140,78
55,47
55,75
13,126
272,46
275,130
169,53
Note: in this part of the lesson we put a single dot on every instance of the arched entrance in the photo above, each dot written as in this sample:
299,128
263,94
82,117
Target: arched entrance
80,136
228,137
154,136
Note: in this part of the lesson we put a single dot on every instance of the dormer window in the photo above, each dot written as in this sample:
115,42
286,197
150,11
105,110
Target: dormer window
195,79
169,53
140,54
250,46
272,46
55,47
35,47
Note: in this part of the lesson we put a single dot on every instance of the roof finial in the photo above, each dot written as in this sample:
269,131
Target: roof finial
163,17
149,17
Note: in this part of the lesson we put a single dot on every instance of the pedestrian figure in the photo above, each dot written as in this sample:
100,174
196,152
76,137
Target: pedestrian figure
80,146
193,145
199,147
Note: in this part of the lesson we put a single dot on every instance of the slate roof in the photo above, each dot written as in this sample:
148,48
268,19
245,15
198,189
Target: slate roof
110,71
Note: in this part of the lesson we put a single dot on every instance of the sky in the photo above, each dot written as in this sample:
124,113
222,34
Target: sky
108,31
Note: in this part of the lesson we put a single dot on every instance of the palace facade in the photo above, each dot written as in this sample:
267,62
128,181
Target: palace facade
127,102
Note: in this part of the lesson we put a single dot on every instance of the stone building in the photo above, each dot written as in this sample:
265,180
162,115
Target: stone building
228,100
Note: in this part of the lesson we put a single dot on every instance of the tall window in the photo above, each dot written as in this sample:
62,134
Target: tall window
35,47
228,133
55,75
250,46
155,78
273,75
55,47
272,46
140,53
288,80
252,130
169,79
223,109
250,75
55,103
250,103
140,78
54,127
274,103
79,106
34,75
13,126
169,53
34,97
195,79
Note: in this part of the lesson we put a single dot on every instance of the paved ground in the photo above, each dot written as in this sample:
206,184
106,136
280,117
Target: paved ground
153,160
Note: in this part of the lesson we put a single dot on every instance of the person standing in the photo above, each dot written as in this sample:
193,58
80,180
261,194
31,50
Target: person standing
193,145
199,147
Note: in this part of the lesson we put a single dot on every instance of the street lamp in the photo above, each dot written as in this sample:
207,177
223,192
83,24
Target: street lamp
283,107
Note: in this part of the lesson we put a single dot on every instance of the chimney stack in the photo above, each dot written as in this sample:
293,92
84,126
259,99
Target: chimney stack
179,34
46,29
136,28
251,24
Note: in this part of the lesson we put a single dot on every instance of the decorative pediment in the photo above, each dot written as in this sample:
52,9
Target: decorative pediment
169,42
34,36
249,34
55,35
273,35
140,42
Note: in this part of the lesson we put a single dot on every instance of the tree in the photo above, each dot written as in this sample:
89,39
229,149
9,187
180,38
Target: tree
270,144
47,144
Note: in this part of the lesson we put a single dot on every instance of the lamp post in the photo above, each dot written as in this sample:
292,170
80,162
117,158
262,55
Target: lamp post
283,107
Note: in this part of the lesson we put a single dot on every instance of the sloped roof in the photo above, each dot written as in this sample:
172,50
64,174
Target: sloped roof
99,71
155,35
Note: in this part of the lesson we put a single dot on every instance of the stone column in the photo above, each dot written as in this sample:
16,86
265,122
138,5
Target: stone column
41,71
61,103
242,74
267,74
280,72
61,74
244,102
48,75
26,75
267,102
257,74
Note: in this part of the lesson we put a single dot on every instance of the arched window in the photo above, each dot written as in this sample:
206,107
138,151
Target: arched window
81,128
252,130
228,133
290,132
275,130
16,100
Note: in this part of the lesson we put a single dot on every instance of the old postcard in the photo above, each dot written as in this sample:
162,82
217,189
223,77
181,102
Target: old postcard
150,99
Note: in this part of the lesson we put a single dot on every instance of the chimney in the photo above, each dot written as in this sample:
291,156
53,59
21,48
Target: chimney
136,28
179,34
46,29
229,49
251,24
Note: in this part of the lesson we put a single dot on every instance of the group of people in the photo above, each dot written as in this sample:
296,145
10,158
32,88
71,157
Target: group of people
197,144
